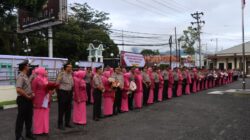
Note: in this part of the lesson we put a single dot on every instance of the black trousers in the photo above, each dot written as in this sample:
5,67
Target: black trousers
118,101
165,90
24,115
88,89
64,106
145,94
97,107
175,88
184,84
131,101
156,91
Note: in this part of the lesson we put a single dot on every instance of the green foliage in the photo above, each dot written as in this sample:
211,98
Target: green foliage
188,39
150,52
85,25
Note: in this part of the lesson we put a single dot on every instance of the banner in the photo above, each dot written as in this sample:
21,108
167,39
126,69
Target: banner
132,59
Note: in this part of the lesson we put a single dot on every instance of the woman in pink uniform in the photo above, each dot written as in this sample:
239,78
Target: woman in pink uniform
138,96
40,102
170,84
189,81
108,95
152,86
161,85
124,104
195,78
179,87
80,98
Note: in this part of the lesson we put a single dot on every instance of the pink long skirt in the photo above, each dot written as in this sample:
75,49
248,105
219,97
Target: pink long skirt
108,103
138,99
151,96
79,113
160,94
210,84
187,90
194,86
41,121
170,92
179,90
198,86
202,85
124,104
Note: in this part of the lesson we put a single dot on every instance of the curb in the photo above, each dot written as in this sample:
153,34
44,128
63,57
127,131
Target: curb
5,107
8,107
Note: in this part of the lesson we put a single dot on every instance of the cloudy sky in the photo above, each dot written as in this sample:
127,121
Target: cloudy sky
158,18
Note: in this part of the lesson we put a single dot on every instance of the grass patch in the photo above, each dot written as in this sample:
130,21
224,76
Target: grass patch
7,103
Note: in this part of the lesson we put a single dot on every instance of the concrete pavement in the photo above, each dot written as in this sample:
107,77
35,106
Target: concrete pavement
199,116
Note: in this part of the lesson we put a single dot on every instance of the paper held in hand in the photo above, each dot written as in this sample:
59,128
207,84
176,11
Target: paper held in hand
45,102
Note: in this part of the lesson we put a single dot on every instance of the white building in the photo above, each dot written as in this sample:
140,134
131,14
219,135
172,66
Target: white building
231,58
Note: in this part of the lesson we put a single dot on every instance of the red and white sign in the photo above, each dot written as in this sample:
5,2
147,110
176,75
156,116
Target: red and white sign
132,59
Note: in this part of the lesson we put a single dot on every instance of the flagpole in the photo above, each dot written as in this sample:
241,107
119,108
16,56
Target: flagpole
243,46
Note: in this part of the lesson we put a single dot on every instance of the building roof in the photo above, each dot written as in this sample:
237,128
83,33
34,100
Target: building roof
236,50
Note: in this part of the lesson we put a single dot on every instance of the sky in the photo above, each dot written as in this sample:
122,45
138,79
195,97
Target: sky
158,18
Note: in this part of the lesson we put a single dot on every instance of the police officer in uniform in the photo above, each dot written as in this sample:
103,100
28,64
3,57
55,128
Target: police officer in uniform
88,79
165,74
146,83
24,102
98,90
176,79
64,95
157,80
118,76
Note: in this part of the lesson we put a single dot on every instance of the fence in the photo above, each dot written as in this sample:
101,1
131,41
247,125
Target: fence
9,77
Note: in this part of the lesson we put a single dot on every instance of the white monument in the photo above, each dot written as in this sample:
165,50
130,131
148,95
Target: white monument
95,53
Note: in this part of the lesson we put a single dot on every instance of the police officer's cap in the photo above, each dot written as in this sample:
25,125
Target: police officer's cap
100,67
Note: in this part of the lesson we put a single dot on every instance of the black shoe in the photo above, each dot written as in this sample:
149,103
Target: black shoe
20,138
61,127
31,136
96,119
69,126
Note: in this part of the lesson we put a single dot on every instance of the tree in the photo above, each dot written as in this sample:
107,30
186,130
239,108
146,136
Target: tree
189,38
85,25
150,52
71,40
8,16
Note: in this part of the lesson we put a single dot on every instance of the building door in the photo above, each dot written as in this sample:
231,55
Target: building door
229,66
221,66
248,67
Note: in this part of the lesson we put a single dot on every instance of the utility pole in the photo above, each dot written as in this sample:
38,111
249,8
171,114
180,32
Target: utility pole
170,45
216,45
179,46
197,16
243,46
176,43
122,41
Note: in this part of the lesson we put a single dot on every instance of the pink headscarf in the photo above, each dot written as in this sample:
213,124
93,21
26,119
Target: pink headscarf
106,74
41,74
137,71
111,70
81,74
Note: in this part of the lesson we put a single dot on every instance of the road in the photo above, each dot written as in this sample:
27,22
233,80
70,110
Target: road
194,117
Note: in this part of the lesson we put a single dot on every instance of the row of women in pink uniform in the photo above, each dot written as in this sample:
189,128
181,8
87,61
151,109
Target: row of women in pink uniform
153,85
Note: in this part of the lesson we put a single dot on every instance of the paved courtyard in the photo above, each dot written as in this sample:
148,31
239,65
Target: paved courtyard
198,116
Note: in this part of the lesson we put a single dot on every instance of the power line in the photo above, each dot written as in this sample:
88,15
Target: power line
169,7
143,7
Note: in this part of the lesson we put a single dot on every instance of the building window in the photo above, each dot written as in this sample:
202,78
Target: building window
221,66
211,66
229,66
